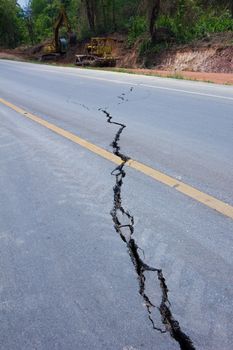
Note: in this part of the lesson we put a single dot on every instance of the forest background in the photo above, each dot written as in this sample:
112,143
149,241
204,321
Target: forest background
150,21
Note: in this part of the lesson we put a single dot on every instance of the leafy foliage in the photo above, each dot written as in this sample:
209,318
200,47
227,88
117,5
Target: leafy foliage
186,19
12,25
193,22
137,27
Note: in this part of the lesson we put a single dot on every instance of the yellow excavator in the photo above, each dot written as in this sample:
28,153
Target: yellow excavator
59,45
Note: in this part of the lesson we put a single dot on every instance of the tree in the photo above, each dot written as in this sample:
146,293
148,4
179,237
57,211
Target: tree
28,17
12,26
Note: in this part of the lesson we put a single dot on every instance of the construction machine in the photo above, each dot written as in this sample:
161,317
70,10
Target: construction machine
98,53
59,45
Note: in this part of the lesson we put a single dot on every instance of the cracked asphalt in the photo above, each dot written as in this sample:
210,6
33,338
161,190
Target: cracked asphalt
66,279
125,229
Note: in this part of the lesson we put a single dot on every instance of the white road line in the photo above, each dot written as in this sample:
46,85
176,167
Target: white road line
188,92
58,70
140,84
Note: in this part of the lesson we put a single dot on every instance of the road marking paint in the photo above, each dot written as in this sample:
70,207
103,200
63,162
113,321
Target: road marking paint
143,85
90,146
201,197
204,198
188,92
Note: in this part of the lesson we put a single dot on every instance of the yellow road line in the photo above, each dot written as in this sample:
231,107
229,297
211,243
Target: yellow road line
188,190
68,135
209,201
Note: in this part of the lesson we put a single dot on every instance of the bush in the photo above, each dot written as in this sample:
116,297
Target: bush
211,23
137,27
199,26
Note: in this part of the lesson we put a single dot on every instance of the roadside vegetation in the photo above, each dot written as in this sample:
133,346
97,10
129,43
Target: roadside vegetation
154,24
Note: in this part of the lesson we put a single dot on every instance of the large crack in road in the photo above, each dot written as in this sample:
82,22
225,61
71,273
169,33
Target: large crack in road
126,232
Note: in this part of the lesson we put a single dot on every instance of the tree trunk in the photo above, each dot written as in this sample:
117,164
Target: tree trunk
153,13
89,5
30,28
104,13
114,15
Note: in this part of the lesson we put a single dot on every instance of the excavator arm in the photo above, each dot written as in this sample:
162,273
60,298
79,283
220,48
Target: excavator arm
59,45
62,19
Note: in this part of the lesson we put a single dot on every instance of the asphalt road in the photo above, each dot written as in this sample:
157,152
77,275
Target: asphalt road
66,279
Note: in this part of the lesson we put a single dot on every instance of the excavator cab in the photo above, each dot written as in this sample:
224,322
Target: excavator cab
63,45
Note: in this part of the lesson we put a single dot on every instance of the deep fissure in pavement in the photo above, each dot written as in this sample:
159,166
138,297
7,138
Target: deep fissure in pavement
126,231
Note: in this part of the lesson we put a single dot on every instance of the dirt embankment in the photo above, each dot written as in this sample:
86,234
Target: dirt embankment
199,59
211,54
209,59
